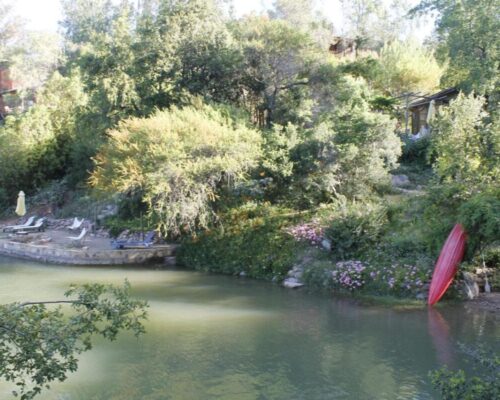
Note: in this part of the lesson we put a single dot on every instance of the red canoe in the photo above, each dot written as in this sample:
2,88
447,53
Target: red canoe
447,263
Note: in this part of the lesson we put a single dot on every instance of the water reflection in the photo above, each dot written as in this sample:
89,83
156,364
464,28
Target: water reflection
439,330
215,337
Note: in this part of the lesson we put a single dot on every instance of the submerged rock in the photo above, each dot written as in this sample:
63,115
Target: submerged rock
292,283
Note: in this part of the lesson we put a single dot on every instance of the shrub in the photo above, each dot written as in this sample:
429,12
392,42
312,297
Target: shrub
4,199
416,151
457,385
355,227
480,216
178,159
465,144
250,239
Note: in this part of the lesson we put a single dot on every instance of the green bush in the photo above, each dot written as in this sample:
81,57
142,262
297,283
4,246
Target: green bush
4,200
249,239
416,151
457,385
179,160
356,227
480,216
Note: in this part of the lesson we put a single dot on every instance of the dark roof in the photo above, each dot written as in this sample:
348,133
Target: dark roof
445,94
5,91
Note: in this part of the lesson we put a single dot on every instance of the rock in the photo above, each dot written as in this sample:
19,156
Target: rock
421,296
292,283
400,180
170,261
243,274
326,244
296,272
471,287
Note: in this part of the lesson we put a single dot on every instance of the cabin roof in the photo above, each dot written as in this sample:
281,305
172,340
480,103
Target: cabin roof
445,94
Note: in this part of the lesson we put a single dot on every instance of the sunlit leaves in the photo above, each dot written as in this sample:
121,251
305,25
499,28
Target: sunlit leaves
40,341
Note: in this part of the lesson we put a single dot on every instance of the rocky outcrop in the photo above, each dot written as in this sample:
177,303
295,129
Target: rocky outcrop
470,286
400,180
294,276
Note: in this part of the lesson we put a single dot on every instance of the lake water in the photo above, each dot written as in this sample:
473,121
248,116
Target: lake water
218,337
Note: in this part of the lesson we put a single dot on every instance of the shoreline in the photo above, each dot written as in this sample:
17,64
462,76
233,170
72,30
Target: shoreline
84,256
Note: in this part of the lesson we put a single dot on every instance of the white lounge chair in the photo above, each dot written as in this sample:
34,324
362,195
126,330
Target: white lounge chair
76,224
78,240
14,227
38,227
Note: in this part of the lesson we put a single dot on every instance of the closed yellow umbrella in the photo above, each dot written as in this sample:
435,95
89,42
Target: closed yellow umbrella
21,204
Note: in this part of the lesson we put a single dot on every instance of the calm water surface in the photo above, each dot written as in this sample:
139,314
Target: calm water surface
217,337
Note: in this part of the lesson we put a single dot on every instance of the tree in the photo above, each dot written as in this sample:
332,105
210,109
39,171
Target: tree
177,160
467,36
407,66
10,26
373,23
35,146
466,143
39,344
278,60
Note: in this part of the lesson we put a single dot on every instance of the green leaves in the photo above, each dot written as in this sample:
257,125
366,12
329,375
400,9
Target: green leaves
39,344
468,41
463,142
178,160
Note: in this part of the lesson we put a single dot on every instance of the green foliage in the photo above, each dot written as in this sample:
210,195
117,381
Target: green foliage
480,216
278,59
355,228
406,67
465,143
39,344
35,146
467,33
457,385
416,151
249,239
117,225
177,161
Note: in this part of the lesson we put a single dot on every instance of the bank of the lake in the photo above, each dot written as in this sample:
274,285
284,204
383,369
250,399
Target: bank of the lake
220,337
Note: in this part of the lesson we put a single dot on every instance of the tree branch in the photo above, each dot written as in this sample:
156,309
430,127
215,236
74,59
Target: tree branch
31,303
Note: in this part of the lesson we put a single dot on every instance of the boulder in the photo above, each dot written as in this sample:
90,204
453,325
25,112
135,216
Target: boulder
292,283
400,180
471,287
326,244
296,272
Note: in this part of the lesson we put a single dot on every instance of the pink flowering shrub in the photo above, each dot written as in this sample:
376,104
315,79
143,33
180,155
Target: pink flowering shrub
307,232
349,275
399,279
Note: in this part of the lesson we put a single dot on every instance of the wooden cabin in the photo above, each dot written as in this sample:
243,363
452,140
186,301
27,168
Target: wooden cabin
6,88
419,109
343,47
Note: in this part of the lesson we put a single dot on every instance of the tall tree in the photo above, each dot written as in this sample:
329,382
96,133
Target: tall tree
278,59
407,66
302,15
468,41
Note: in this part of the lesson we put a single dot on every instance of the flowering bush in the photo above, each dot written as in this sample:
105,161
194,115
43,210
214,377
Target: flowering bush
399,279
307,232
350,275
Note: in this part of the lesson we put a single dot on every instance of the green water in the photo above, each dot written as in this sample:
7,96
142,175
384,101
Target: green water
217,337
